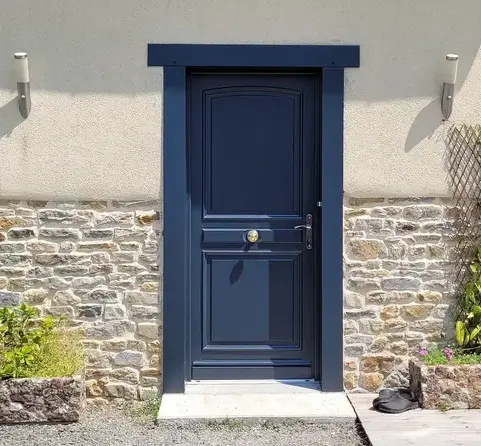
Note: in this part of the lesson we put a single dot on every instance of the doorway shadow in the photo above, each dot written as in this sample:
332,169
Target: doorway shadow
307,385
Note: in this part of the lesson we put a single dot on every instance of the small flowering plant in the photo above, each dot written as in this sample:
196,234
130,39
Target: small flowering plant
435,355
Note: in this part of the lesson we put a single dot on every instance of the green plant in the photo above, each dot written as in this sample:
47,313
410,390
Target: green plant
443,407
20,339
468,324
435,355
146,410
33,346
61,354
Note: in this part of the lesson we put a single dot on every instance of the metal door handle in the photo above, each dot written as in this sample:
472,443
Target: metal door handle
308,228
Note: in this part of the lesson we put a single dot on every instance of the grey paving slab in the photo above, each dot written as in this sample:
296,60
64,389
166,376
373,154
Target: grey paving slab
418,427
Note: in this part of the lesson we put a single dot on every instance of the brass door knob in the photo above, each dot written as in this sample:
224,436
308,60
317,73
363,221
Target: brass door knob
252,236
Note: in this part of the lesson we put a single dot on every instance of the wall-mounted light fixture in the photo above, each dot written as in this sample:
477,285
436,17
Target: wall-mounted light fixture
451,73
23,83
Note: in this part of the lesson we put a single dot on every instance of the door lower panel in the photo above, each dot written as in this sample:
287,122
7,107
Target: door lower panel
252,369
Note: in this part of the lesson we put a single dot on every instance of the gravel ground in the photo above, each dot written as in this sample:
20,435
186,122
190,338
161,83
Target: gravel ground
119,427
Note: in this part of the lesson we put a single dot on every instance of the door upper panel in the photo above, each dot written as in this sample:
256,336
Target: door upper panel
240,179
253,133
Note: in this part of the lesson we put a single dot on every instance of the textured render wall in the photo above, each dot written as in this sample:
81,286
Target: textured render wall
397,285
98,263
95,127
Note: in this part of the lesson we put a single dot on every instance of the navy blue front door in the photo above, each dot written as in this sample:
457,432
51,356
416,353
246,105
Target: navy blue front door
252,140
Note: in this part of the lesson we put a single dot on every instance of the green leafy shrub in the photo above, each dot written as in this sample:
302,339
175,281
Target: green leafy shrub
468,323
32,346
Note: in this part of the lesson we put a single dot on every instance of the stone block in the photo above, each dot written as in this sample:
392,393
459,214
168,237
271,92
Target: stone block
350,380
98,359
18,260
100,269
88,282
122,235
97,246
11,222
445,387
400,283
141,298
136,344
60,259
108,329
423,212
65,297
35,296
126,374
148,330
144,312
150,246
119,390
61,311
12,247
71,270
57,216
363,249
42,246
56,283
39,272
150,287
114,219
404,227
98,233
416,311
129,246
130,358
7,299
62,400
114,344
123,257
60,233
390,312
147,217
371,382
353,300
133,268
89,311
100,257
114,311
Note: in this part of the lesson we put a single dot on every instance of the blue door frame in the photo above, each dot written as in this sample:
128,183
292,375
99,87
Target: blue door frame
176,59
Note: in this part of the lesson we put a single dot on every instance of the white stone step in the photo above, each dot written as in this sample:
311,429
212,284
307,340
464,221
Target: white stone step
255,400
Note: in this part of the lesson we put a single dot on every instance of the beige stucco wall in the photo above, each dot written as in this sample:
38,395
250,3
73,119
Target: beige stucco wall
94,131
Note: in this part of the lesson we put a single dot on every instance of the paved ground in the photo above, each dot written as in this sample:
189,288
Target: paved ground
418,427
117,427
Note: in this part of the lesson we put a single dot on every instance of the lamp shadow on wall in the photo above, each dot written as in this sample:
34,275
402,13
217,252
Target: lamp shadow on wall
10,118
424,125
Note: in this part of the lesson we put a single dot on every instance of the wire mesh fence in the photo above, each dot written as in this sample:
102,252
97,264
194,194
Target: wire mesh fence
464,172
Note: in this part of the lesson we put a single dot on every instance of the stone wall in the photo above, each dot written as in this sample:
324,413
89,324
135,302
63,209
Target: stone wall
397,280
98,263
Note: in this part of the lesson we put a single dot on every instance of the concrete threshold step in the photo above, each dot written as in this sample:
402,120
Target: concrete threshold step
254,402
